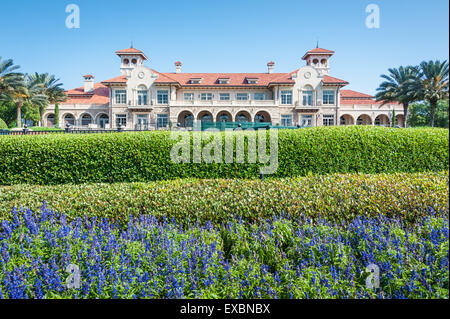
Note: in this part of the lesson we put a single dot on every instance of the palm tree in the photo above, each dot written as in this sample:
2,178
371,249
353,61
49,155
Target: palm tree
398,88
8,74
50,87
20,91
433,85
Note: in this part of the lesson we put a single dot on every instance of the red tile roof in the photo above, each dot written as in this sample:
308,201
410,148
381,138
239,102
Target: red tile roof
118,79
318,51
132,51
328,80
349,97
349,94
236,79
358,101
100,95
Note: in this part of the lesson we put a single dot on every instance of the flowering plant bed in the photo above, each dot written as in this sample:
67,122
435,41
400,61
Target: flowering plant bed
282,258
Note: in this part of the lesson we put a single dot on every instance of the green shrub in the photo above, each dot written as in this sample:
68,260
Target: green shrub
141,157
3,125
334,197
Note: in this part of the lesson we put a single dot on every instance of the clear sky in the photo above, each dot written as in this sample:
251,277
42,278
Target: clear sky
223,36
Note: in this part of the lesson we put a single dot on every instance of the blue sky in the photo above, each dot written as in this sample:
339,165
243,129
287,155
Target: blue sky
223,36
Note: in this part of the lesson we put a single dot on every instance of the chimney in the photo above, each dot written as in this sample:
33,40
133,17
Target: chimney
88,83
270,66
178,66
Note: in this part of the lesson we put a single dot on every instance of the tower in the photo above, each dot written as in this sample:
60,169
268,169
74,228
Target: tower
130,59
318,58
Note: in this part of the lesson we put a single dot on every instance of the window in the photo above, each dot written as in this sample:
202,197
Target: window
189,96
196,81
252,81
260,96
121,120
163,97
141,122
224,81
224,96
286,120
162,120
142,97
242,96
328,97
69,119
86,120
307,120
121,96
206,96
286,97
328,120
307,98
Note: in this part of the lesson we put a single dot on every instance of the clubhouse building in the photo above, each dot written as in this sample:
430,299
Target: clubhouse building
143,98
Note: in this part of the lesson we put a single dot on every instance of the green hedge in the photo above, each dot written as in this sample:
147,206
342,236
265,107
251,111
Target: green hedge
141,157
3,125
334,197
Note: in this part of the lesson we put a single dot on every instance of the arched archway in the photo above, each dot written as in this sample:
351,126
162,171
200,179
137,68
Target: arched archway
263,117
400,120
382,120
50,120
347,119
364,119
103,120
224,116
186,119
205,117
69,119
243,116
86,119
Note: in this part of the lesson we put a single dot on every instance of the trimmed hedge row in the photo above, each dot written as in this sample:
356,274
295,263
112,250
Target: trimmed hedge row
334,197
3,125
142,157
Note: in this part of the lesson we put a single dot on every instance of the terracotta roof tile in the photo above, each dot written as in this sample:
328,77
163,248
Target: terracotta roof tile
118,79
100,95
130,50
331,80
236,79
349,94
318,51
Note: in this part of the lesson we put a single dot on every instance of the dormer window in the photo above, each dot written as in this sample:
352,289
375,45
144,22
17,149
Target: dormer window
196,81
224,81
252,80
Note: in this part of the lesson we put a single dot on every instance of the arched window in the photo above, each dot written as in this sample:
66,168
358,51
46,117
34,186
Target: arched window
224,117
51,120
103,120
207,118
308,95
142,95
243,117
86,120
186,119
69,119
